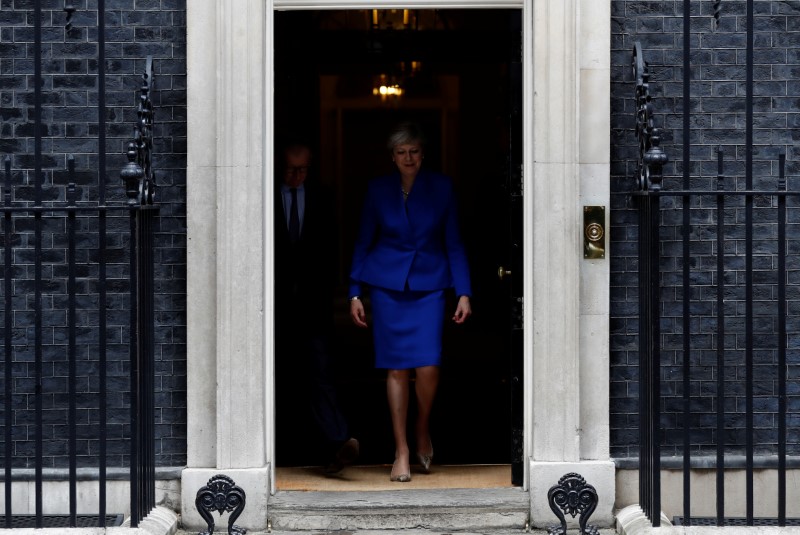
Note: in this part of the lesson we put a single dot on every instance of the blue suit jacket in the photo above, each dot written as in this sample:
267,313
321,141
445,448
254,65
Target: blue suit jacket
415,241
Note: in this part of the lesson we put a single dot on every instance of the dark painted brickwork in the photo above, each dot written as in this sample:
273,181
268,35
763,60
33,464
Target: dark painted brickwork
718,119
135,29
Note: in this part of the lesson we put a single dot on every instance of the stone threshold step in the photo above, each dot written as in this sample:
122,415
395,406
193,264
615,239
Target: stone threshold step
471,510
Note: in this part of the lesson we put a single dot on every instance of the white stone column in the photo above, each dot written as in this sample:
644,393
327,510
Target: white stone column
226,404
571,114
201,229
556,232
595,180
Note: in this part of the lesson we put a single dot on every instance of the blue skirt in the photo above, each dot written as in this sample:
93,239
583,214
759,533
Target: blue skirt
407,328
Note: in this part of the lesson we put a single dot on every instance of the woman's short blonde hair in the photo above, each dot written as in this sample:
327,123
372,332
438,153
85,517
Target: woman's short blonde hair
405,132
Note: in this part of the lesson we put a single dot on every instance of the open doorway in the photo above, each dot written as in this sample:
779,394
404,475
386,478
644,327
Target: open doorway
452,72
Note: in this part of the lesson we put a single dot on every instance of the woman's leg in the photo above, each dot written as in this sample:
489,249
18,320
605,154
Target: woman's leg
426,383
397,394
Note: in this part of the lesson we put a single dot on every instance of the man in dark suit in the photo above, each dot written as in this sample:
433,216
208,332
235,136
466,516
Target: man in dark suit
305,272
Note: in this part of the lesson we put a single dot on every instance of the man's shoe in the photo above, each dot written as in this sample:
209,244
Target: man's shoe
345,455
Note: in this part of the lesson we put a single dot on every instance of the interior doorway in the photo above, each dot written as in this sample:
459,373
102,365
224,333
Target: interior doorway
452,72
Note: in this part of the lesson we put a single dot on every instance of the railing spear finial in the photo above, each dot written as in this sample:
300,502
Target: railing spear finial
140,151
651,156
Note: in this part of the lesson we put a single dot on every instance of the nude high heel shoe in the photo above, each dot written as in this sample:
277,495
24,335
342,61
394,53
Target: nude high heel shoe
399,478
425,461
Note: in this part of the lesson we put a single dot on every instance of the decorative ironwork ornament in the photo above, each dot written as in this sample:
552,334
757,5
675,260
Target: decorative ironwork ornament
651,157
573,496
138,174
223,495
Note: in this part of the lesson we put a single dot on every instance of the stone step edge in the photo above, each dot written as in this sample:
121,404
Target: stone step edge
395,509
463,521
505,498
430,509
424,511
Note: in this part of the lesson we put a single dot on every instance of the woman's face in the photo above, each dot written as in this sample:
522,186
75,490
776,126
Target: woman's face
408,158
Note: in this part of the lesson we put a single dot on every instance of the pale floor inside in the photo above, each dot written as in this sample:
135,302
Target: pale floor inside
376,477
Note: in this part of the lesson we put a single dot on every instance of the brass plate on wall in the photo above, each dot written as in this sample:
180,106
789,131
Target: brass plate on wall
594,232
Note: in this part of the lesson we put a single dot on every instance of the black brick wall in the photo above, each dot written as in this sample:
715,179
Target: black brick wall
134,29
718,119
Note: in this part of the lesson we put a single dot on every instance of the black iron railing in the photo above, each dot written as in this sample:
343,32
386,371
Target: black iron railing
732,338
648,179
140,184
719,220
142,219
65,265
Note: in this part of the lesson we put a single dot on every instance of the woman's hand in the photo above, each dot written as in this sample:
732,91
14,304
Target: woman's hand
357,313
463,310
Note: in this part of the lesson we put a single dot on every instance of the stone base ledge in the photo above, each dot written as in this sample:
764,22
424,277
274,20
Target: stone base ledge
253,481
160,521
632,521
55,496
599,474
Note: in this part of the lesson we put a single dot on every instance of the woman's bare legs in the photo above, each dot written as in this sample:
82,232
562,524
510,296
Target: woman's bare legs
427,381
397,394
426,384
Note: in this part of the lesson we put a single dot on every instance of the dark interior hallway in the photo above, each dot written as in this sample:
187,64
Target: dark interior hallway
452,68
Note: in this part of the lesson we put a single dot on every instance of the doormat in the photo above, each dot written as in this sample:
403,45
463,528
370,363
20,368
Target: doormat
366,478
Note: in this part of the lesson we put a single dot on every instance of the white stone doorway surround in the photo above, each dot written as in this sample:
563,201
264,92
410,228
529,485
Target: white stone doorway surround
566,122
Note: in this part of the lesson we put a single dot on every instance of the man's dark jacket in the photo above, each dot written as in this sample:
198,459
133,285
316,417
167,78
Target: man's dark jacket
305,271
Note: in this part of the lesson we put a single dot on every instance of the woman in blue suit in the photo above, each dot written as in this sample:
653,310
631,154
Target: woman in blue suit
408,252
